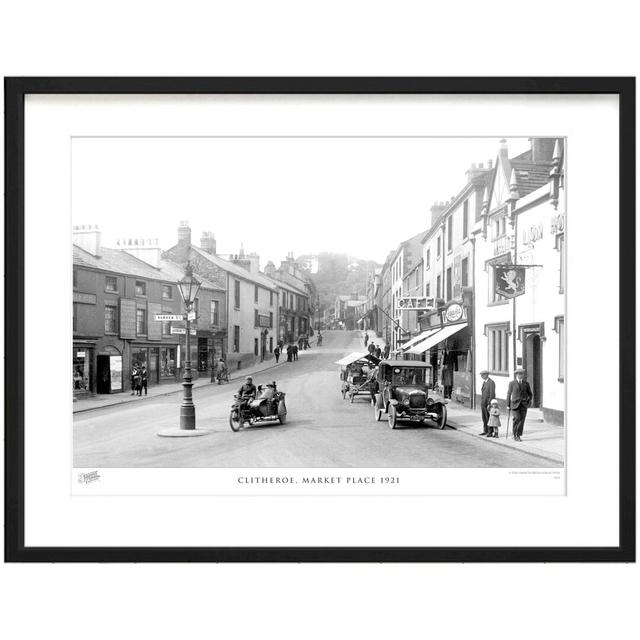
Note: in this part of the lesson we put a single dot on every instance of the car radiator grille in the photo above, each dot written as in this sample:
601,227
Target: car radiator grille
417,401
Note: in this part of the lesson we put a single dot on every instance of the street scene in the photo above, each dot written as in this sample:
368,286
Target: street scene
443,349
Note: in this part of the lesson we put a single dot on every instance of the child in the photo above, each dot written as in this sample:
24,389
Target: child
494,419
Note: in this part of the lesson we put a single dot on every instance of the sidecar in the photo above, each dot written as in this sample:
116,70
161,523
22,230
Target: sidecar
259,411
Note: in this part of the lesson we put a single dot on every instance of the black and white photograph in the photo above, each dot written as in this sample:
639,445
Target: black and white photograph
319,302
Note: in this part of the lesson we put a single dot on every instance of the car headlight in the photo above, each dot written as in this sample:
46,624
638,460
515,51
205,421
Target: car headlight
406,402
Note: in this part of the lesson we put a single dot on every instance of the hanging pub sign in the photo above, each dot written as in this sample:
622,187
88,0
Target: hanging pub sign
418,303
509,280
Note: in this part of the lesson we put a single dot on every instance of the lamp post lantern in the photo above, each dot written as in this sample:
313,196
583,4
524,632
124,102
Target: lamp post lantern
188,287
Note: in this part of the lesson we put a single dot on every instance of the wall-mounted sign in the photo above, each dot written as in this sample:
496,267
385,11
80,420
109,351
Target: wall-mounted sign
557,223
454,312
264,321
80,354
84,298
510,280
416,303
168,317
502,245
532,234
181,331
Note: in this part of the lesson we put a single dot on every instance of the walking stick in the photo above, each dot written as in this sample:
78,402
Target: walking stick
506,435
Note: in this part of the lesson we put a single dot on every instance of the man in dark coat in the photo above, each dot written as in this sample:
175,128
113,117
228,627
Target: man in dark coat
289,353
295,351
276,353
487,394
518,400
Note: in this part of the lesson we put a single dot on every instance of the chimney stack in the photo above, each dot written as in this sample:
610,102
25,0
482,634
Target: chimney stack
436,210
145,249
542,149
184,242
88,237
208,242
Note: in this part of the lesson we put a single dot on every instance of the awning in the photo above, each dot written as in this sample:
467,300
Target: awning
353,357
436,338
418,338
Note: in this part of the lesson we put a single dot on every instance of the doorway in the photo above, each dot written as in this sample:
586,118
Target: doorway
533,365
103,378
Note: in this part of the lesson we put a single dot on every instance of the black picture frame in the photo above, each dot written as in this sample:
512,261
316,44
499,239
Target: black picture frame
15,91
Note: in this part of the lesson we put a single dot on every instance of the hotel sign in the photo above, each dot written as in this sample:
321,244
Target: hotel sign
510,280
502,245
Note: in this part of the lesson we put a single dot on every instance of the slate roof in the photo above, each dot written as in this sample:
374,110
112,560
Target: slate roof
175,272
117,261
234,269
530,175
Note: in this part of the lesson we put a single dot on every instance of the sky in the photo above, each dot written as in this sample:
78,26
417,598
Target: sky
360,196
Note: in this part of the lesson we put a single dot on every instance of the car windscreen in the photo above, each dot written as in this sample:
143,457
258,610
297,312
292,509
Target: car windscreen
409,375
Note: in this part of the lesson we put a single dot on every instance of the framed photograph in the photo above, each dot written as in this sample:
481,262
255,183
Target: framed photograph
320,319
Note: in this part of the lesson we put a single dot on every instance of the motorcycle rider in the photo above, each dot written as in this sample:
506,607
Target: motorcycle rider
247,392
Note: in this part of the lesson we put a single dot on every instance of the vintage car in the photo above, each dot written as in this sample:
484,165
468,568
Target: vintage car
403,394
269,406
355,374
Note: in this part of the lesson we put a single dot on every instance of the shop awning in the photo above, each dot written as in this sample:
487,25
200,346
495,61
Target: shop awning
353,357
418,338
436,338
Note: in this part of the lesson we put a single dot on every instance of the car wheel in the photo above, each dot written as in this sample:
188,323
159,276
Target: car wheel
442,418
282,417
393,417
377,412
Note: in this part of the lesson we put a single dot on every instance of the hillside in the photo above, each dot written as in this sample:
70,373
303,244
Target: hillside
339,273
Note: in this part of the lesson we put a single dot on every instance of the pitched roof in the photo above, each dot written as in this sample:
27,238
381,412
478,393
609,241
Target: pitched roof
175,272
530,175
234,269
117,261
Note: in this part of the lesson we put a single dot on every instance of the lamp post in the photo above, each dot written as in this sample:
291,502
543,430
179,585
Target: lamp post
188,287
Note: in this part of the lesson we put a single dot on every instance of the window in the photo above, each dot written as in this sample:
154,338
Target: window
236,294
271,319
448,292
255,293
427,291
110,318
166,328
167,292
236,338
141,322
465,272
429,258
271,298
450,233
271,344
75,316
75,278
196,308
110,283
465,219
438,249
498,344
256,318
439,287
141,288
561,346
255,346
215,310
560,248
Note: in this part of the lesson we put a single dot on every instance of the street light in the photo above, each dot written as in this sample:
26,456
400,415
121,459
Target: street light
188,287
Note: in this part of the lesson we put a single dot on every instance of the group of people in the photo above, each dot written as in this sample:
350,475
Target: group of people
138,380
376,350
293,348
519,396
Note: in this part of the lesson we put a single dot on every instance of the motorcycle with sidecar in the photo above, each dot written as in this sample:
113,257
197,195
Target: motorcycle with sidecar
263,409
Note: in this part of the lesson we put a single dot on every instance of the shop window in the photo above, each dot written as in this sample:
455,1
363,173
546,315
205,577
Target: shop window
498,348
141,288
110,283
236,339
141,322
167,362
236,294
80,374
110,318
167,292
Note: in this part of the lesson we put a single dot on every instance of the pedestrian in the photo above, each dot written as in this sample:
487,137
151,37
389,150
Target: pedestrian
373,384
134,373
300,341
487,394
372,348
143,380
519,397
289,353
137,382
494,419
276,353
306,343
295,351
366,339
385,353
378,352
221,371
447,375
319,339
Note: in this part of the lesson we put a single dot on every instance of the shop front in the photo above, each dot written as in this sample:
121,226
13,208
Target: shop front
161,361
82,378
109,370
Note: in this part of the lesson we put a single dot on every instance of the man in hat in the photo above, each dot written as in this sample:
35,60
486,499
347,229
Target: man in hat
518,399
487,394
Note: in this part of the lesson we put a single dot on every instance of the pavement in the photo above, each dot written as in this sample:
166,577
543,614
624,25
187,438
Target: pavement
322,429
